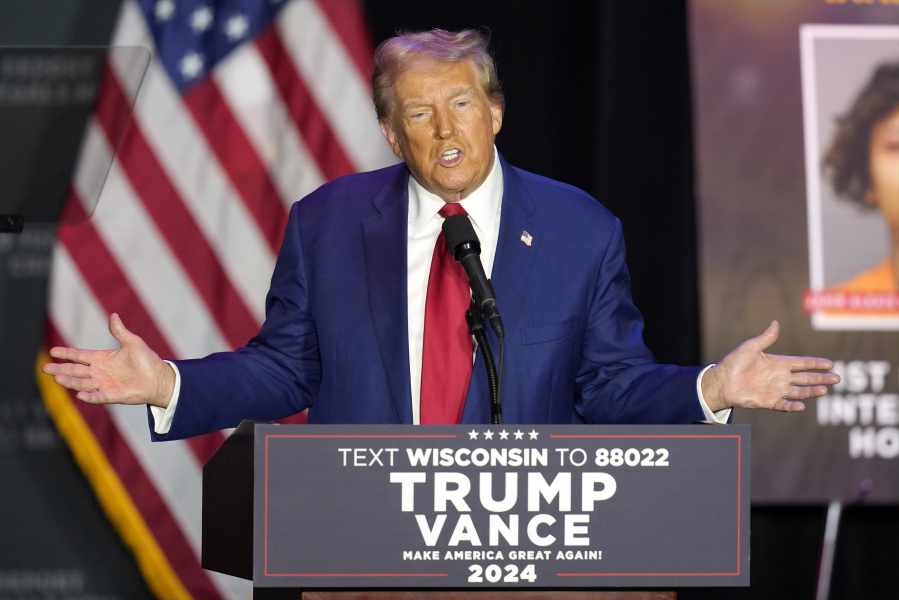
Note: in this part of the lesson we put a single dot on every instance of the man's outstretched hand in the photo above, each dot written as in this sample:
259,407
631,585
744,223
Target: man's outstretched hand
131,374
749,378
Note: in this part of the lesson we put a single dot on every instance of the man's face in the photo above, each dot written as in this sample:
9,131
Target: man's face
443,126
884,191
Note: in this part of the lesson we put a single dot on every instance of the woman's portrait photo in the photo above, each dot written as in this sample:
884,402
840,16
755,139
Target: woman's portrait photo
851,105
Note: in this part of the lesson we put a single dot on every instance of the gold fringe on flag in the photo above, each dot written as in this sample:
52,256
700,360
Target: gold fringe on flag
109,489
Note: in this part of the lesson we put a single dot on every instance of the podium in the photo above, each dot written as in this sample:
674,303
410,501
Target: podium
323,512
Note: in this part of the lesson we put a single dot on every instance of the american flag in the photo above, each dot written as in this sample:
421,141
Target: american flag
246,106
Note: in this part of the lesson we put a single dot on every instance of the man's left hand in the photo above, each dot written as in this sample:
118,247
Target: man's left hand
749,378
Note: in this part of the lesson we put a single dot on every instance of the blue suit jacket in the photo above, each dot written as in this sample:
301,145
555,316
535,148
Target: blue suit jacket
335,337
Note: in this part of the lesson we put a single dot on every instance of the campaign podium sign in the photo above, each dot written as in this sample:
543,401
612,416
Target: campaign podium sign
488,507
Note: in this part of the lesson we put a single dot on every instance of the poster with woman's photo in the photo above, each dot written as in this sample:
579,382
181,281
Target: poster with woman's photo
850,85
796,121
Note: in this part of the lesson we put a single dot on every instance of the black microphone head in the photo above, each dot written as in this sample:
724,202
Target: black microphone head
460,237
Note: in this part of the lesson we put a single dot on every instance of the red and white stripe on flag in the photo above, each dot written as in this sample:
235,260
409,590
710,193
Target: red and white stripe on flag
224,136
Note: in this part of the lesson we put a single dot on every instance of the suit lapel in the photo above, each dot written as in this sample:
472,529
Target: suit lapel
512,267
384,238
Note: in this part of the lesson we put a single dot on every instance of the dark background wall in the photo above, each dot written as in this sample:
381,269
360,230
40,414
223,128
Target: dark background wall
597,96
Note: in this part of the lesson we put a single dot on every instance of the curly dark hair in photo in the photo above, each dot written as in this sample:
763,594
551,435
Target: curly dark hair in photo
847,161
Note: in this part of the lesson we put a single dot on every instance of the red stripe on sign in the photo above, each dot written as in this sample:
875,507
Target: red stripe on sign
309,120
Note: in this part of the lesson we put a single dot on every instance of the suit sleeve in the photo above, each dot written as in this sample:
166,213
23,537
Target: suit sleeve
618,380
277,374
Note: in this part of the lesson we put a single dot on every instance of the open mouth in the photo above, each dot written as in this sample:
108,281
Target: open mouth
450,157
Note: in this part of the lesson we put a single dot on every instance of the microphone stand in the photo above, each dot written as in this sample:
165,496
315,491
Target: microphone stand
474,316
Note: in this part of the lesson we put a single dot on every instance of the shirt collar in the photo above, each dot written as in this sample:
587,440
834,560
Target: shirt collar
481,205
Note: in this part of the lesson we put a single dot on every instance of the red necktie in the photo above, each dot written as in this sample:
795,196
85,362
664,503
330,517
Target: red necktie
446,357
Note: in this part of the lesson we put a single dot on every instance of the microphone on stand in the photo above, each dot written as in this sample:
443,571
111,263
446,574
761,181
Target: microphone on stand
465,247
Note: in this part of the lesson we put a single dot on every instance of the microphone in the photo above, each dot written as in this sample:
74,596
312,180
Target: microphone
465,247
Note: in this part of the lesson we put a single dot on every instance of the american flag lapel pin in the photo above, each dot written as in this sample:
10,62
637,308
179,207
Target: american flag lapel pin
526,237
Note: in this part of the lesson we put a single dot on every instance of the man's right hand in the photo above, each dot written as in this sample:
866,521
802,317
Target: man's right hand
131,374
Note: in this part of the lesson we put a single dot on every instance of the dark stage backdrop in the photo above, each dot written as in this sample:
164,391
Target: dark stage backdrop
598,96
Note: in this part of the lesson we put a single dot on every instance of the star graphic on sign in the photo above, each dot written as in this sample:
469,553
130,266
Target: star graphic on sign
533,434
191,65
488,435
236,27
201,19
472,435
518,435
164,10
503,435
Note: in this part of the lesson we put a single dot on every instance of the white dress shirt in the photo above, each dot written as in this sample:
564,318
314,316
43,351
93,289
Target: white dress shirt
483,207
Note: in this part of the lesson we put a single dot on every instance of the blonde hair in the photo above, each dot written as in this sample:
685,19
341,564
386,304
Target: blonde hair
394,56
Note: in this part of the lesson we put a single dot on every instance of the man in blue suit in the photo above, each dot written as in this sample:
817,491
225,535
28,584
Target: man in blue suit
345,311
